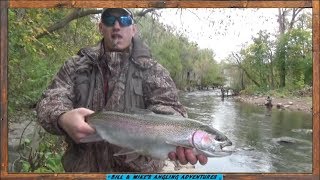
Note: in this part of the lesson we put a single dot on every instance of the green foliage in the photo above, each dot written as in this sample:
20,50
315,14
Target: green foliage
46,158
284,63
256,58
187,63
294,58
207,69
253,90
33,62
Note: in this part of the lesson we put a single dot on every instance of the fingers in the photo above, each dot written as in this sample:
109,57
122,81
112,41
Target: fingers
85,111
181,155
185,155
202,159
172,156
86,129
73,122
191,158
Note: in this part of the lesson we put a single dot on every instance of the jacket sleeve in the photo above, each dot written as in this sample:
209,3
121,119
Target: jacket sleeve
58,98
161,94
142,164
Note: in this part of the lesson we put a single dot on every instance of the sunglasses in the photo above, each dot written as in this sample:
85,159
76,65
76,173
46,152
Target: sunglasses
124,21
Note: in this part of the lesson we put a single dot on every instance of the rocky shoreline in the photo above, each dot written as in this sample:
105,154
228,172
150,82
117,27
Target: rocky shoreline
303,104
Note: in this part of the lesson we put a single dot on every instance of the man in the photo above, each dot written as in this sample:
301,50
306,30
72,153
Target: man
118,74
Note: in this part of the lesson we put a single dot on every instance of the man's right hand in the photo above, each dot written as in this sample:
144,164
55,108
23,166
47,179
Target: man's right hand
73,122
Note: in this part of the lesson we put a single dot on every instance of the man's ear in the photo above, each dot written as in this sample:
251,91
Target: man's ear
134,29
100,27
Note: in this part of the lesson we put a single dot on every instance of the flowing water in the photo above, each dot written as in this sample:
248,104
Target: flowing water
264,141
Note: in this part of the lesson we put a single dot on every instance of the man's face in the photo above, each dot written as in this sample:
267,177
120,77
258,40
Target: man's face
117,37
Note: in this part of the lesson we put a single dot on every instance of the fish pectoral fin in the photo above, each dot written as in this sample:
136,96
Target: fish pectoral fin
178,144
130,154
125,151
91,138
131,157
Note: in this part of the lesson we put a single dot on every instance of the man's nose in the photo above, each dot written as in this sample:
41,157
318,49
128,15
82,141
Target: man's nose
116,25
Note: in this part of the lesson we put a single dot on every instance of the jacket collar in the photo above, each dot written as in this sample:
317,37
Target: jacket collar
140,53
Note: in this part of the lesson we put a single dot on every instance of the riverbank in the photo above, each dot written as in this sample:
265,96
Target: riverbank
285,103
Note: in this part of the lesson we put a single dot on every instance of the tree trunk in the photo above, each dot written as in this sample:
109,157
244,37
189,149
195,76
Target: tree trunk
242,80
237,57
271,73
285,26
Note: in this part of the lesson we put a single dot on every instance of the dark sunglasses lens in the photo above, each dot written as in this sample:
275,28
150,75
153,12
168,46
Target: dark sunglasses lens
126,20
109,20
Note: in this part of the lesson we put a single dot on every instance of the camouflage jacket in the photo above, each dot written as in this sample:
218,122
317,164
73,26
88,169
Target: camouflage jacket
114,81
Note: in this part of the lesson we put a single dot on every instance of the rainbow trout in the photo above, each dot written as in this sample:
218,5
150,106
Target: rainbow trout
155,135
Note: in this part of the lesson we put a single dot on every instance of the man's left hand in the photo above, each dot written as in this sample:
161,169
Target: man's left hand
185,155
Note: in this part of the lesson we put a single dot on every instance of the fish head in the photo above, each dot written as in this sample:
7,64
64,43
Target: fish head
210,144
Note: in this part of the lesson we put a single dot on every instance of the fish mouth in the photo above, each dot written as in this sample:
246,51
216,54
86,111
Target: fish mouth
219,152
225,144
222,149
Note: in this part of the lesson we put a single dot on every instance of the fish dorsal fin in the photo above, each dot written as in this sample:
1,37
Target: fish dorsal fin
210,129
130,154
139,111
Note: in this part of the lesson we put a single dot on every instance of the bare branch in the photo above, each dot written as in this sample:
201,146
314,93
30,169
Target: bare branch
238,59
146,11
77,13
295,12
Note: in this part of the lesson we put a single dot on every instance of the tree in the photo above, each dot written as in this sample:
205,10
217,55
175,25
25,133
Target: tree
285,25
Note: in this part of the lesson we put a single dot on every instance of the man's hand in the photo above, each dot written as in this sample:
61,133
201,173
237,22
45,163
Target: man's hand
185,155
73,122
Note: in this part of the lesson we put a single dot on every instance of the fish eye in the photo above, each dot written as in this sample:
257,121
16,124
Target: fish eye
219,138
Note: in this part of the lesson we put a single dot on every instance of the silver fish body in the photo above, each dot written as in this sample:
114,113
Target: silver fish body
155,135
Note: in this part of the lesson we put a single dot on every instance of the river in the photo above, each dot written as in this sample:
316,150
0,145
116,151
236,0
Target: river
263,141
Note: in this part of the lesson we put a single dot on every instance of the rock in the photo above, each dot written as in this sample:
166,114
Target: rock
248,148
15,133
305,131
298,104
286,106
286,140
279,105
22,129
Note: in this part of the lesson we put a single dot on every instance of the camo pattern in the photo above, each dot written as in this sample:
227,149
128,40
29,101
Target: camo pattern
159,95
